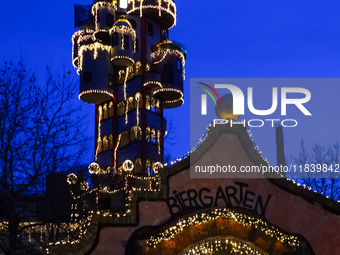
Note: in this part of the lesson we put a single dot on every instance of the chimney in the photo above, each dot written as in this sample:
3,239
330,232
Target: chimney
280,153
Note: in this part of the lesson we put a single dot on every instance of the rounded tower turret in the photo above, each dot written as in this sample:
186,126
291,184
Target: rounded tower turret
123,42
169,60
104,13
162,12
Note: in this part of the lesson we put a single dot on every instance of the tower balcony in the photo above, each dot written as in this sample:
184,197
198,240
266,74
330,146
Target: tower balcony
79,38
96,73
169,60
153,80
173,103
161,11
123,41
104,13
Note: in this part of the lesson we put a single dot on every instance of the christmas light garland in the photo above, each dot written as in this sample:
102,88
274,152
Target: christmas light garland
115,151
170,5
74,37
99,130
169,90
98,5
166,52
175,101
153,83
138,97
126,105
95,47
124,30
224,213
123,57
233,245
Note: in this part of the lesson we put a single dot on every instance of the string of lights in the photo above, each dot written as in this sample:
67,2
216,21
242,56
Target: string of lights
163,53
225,213
232,245
137,5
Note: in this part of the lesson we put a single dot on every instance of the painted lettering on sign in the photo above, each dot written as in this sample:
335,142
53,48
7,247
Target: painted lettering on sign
231,196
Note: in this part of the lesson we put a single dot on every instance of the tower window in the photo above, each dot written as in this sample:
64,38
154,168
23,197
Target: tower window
114,39
179,65
87,77
109,20
105,143
110,80
100,145
126,42
168,74
150,29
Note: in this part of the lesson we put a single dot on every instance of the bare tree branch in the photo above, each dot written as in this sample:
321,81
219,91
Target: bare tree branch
41,132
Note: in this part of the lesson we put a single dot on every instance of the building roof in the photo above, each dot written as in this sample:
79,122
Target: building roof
241,132
167,44
89,241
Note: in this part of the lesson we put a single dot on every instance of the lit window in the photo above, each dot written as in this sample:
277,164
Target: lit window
106,113
99,144
105,143
110,109
120,108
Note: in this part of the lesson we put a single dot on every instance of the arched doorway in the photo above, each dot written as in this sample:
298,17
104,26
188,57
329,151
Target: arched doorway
219,231
221,245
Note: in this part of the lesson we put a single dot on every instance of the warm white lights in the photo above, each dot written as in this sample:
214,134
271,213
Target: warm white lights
137,5
128,165
98,5
95,91
72,179
162,53
224,213
123,4
92,47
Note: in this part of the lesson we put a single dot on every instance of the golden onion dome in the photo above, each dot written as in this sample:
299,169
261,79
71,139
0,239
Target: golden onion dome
122,22
225,111
167,44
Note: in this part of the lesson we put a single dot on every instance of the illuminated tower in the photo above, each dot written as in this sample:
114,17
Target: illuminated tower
131,72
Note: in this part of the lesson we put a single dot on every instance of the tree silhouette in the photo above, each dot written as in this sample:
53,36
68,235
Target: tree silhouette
40,133
320,169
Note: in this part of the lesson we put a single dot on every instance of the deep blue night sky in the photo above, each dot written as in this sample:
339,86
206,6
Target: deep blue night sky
235,38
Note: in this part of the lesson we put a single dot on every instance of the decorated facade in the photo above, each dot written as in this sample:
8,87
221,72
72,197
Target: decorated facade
131,72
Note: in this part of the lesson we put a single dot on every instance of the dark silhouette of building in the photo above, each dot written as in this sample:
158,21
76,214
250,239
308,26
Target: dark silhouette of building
280,153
